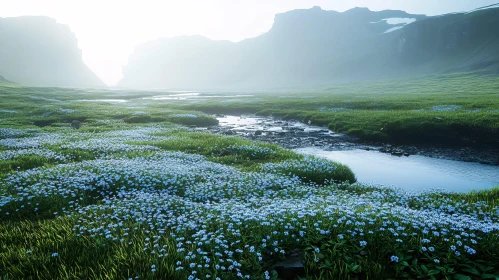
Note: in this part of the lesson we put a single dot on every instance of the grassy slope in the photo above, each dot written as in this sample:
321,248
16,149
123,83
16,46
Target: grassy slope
402,111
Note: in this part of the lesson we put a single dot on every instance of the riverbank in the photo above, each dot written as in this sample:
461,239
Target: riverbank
293,134
458,110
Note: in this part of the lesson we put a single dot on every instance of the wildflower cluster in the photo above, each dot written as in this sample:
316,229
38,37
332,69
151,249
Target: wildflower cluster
8,111
12,132
45,153
185,217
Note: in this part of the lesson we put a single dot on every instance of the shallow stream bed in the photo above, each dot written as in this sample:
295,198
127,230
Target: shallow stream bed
371,164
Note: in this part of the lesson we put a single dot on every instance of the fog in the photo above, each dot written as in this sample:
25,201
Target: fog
108,31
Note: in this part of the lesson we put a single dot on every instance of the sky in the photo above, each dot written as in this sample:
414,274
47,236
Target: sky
109,30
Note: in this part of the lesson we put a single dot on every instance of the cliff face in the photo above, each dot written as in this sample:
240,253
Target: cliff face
40,52
313,47
458,42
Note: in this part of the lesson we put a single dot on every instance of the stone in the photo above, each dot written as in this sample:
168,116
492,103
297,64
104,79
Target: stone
290,269
76,124
397,153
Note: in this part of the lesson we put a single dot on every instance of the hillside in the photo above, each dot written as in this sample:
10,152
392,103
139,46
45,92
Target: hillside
38,51
315,47
5,82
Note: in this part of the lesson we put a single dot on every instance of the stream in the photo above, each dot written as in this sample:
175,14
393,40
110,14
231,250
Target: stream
409,168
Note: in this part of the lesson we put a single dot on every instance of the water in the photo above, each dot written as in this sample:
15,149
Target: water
253,123
192,95
102,100
414,173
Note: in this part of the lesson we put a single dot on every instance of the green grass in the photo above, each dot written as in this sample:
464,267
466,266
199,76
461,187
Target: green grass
400,111
78,257
222,149
238,191
24,163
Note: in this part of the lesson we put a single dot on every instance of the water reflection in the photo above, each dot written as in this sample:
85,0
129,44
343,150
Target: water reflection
413,173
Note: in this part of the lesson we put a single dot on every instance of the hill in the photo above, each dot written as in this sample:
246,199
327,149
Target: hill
38,51
5,82
316,47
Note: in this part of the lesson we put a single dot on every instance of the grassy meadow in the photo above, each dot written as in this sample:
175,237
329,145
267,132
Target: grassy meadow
101,184
457,109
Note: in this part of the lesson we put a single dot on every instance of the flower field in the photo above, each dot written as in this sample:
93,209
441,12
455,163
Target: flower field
158,201
121,190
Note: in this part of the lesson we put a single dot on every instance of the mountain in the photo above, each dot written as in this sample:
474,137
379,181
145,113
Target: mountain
38,51
314,47
4,81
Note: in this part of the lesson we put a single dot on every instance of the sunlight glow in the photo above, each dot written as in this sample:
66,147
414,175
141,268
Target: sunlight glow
109,30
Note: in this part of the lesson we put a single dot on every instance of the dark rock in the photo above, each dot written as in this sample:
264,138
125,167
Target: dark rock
290,269
385,150
397,153
438,119
258,133
229,132
75,124
225,153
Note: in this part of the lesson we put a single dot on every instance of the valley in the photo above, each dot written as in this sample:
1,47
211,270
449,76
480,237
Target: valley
92,176
285,142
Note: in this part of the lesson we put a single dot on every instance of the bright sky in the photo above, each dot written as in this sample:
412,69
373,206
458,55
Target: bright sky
108,30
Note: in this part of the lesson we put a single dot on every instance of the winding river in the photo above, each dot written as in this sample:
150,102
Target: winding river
411,173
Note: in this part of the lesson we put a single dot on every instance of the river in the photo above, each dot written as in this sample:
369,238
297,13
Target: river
411,173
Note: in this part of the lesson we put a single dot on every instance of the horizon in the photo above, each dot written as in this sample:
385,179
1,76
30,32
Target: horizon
107,42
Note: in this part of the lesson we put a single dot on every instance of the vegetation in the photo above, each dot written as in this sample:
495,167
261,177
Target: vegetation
131,194
454,109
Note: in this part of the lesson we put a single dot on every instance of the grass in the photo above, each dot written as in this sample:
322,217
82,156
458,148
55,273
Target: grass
22,163
132,194
454,109
226,150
